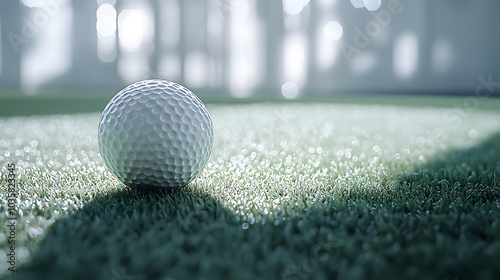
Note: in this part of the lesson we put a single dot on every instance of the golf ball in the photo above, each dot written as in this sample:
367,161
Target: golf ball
155,134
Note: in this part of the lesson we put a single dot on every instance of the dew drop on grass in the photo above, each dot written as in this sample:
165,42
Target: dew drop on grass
244,226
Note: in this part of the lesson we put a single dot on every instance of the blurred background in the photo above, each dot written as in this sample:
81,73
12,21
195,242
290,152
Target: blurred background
245,48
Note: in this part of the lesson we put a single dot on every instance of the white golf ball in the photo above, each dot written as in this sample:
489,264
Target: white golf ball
155,134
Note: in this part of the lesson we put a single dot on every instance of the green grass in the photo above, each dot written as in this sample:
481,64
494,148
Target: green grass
15,103
291,191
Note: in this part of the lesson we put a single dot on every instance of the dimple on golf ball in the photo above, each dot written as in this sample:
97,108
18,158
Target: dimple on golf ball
155,134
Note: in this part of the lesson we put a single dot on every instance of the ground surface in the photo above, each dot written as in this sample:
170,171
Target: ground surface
291,191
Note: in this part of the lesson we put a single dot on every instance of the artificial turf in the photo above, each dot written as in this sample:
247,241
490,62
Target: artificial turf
291,191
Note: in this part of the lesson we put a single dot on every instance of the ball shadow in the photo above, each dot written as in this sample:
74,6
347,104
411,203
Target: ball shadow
133,234
467,177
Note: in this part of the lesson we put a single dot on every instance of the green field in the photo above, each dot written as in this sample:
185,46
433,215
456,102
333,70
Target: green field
331,190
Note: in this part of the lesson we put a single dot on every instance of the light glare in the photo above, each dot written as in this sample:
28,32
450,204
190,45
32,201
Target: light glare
295,61
372,5
131,29
358,3
289,90
106,20
33,3
333,30
294,7
406,55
